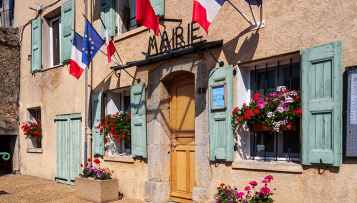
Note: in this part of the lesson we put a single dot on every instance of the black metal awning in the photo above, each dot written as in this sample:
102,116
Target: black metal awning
185,50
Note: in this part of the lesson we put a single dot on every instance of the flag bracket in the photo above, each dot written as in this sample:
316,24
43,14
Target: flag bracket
170,20
202,55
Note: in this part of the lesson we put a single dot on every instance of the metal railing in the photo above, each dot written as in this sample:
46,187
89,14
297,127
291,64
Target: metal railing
6,18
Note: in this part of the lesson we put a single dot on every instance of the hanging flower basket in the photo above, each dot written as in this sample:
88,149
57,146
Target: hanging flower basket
260,127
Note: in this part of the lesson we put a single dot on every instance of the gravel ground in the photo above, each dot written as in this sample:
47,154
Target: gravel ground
29,189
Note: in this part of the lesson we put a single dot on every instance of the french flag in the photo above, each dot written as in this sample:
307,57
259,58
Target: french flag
110,46
204,12
76,67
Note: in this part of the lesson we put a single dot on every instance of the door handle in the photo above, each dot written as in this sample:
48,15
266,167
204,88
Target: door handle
173,143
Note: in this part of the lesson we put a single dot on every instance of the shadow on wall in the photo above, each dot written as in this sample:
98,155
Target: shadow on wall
246,51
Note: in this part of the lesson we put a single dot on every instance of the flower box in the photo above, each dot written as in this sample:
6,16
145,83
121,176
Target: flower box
95,190
259,127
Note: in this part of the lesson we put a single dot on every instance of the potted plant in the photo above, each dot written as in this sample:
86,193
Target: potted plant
227,194
117,126
274,112
97,180
32,129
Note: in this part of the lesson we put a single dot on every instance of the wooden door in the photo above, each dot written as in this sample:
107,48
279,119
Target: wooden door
68,147
182,123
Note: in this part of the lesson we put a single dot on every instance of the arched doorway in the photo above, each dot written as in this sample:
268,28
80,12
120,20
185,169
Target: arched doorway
182,125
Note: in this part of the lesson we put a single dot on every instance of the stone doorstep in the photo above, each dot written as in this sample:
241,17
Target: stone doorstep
282,166
100,190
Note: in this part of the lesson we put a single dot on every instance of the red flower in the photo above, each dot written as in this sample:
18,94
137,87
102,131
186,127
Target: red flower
240,118
298,111
86,164
256,94
89,159
81,165
118,139
297,97
126,119
107,120
286,91
115,135
96,131
115,121
122,135
235,110
96,161
248,111
129,115
101,129
105,140
102,118
222,184
112,129
246,116
111,124
255,98
256,111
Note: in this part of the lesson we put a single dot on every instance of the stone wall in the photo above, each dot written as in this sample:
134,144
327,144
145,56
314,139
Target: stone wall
9,77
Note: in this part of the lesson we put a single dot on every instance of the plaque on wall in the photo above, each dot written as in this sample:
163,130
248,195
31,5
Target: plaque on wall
350,113
218,96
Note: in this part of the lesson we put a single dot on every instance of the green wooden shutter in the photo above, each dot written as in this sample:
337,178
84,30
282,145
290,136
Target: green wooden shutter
67,25
75,135
108,16
220,122
138,120
36,44
159,7
62,138
322,104
97,113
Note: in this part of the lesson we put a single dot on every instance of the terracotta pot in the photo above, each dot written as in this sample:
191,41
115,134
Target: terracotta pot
34,135
259,127
96,190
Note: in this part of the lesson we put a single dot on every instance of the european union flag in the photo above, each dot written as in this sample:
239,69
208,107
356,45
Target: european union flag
255,2
92,42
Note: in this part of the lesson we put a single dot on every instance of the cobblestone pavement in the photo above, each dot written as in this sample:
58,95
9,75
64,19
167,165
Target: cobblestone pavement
29,189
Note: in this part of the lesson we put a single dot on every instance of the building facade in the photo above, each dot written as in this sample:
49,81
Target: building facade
181,146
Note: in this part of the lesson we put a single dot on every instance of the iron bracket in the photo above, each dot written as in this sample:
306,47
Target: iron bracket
6,156
202,55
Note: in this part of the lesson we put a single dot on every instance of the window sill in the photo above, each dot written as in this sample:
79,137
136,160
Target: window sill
34,150
124,159
130,33
268,166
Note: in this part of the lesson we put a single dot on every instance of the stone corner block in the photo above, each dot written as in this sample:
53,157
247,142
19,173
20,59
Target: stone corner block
199,195
157,192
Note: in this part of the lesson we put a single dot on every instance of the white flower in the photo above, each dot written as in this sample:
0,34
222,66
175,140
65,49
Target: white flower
281,88
271,114
280,109
289,99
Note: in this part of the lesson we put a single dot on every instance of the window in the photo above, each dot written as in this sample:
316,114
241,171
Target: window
126,16
55,41
118,101
33,115
286,144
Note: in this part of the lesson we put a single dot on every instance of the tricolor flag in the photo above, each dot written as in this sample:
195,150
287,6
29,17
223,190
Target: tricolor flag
76,67
110,45
204,11
255,2
145,15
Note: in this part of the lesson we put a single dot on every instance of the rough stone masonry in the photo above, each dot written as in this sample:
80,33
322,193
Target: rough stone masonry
9,80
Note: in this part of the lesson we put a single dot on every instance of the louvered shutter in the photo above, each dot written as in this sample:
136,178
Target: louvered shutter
36,44
322,104
138,120
97,114
108,16
67,25
220,122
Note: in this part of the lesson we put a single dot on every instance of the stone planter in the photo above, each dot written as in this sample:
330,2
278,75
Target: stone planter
96,190
258,127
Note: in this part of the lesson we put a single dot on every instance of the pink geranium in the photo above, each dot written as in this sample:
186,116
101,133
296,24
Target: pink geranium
239,195
269,177
247,188
254,183
265,190
265,181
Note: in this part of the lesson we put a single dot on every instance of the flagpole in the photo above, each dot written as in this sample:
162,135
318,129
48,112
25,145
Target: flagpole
245,17
85,104
100,17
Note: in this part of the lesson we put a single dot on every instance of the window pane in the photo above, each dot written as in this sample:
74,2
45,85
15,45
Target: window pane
295,78
294,141
264,141
55,42
262,82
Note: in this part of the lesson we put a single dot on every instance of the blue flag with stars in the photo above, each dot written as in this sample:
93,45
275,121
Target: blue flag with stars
92,42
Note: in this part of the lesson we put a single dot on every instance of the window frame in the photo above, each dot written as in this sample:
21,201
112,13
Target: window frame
119,21
30,117
278,144
122,106
51,41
